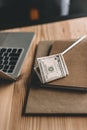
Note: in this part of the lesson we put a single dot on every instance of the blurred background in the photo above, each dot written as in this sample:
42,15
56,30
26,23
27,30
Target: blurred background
15,13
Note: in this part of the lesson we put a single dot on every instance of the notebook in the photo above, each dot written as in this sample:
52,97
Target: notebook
50,100
13,49
76,62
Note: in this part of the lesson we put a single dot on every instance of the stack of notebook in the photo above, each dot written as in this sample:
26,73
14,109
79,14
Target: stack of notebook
66,96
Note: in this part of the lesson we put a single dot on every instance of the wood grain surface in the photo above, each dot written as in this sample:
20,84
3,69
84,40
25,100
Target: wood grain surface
12,95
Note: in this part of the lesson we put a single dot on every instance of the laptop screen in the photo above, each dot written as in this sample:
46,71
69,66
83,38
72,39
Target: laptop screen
17,13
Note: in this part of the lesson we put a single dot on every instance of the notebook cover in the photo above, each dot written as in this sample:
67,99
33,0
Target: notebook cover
53,101
49,101
76,61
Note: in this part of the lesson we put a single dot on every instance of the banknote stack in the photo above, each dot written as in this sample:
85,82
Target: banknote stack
51,68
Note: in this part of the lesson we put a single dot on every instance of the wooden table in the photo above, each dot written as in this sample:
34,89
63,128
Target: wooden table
12,95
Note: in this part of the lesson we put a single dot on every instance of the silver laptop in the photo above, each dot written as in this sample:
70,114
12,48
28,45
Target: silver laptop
13,49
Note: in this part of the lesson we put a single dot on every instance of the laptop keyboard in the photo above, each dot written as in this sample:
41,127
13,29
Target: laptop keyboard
9,58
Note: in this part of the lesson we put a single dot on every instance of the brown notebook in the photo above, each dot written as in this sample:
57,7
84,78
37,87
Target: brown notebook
76,61
51,101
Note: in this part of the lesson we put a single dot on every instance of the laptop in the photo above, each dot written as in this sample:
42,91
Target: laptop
13,49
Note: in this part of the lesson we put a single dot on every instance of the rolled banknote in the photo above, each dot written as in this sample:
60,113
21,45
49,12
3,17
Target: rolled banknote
51,68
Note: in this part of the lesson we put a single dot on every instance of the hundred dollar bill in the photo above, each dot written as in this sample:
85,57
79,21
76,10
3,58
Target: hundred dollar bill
51,68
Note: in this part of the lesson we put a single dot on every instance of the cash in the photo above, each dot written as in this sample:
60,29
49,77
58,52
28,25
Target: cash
51,67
